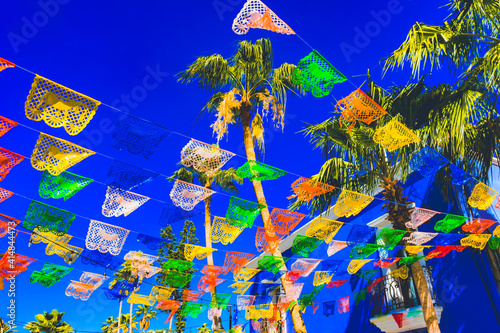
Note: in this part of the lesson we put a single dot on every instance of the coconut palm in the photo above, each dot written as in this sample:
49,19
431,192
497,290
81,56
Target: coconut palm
6,328
110,325
204,329
248,89
453,120
49,323
145,313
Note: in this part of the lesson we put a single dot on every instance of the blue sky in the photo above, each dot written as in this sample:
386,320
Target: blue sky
126,54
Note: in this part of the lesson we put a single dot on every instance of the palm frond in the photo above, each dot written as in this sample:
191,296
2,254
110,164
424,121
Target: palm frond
226,180
481,16
211,73
186,175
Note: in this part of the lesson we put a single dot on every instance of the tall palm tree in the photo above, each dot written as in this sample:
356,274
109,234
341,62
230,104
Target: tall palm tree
49,323
355,162
110,325
128,323
145,313
251,89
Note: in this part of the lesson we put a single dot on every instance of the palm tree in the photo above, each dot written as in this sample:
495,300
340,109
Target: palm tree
438,115
252,89
49,323
127,322
204,329
6,328
110,325
145,313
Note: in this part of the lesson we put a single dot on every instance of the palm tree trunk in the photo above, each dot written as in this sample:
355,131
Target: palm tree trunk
298,321
428,310
120,316
208,231
130,319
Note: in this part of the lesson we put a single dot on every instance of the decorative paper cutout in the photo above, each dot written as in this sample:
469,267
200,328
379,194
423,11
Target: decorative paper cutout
204,157
212,271
401,272
357,106
419,238
329,308
303,245
324,229
191,295
141,264
93,279
177,279
258,171
200,252
305,266
494,243
360,234
414,250
478,226
56,155
450,222
105,237
482,196
255,14
4,194
244,301
362,251
394,135
343,304
119,202
179,265
187,195
126,177
120,289
291,276
208,284
335,246
79,290
68,252
12,264
245,274
308,298
240,287
220,301
97,258
171,214
336,283
475,241
192,309
235,261
385,263
284,220
305,189
460,177
321,277
49,275
442,251
148,300
223,232
7,223
355,265
47,237
168,304
374,283
261,311
351,203
367,274
409,260
359,296
390,237
447,239
63,186
272,263
419,217
59,106
213,313
47,218
242,213
4,63
398,318
5,123
8,160
427,161
138,136
262,239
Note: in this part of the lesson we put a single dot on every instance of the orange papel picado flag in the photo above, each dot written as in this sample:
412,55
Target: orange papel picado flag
4,63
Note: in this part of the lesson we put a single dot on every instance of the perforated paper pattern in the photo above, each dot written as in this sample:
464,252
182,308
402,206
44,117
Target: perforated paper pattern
204,157
362,251
177,279
198,252
47,218
63,186
7,223
244,301
374,283
478,226
355,265
93,279
242,213
305,266
12,264
475,241
401,272
450,222
255,14
8,160
97,258
138,137
4,194
255,170
191,295
208,284
79,290
394,135
335,246
192,309
409,260
351,203
284,220
50,274
272,263
223,232
180,265
367,274
303,245
105,237
262,239
4,63
119,202
68,252
235,261
323,229
6,124
428,161
127,177
360,234
317,75
414,250
336,283
305,189
459,176
357,106
212,271
321,277
329,308
56,155
390,237
482,196
186,195
245,274
141,299
171,214
220,301
442,251
419,217
240,287
419,238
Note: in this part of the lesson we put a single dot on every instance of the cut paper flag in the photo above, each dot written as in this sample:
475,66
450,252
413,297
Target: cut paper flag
442,251
235,261
390,237
7,223
414,250
119,202
447,239
322,277
494,242
482,196
56,155
168,304
351,203
359,296
419,217
374,283
4,63
105,237
329,308
305,266
208,284
171,214
200,252
59,106
223,232
220,301
362,251
127,177
419,238
6,125
186,195
367,274
409,260
240,287
355,265
8,160
242,213
203,157
398,318
191,295
179,265
63,186
316,74
245,274
478,226
258,171
12,264
68,252
85,287
243,302
148,300
402,272
262,239
284,220
152,243
335,246
450,222
305,189
256,15
303,245
343,304
360,234
427,161
138,137
176,279
272,264
49,275
323,229
337,283
459,176
394,135
475,241
192,309
96,258
357,106
47,218
4,194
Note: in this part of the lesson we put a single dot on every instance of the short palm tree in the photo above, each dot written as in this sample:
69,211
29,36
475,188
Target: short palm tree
450,120
248,89
110,325
6,328
49,323
203,329
144,314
